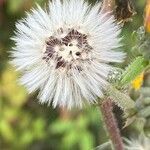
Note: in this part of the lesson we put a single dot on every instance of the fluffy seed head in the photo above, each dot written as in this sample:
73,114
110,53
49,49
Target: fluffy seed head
66,51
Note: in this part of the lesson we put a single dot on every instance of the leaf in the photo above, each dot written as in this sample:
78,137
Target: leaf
104,146
120,99
145,112
133,70
129,121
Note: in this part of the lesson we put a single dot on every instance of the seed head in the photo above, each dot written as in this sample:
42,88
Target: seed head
65,51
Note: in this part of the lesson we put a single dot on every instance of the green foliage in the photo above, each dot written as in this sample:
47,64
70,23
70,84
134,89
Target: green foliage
133,70
14,6
141,43
75,132
121,99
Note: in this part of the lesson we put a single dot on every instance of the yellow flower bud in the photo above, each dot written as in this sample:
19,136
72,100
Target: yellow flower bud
138,81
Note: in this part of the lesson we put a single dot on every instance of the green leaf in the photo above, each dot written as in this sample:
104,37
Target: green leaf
104,146
145,112
120,99
133,70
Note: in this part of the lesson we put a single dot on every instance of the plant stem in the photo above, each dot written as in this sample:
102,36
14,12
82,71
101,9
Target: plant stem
64,114
107,105
111,124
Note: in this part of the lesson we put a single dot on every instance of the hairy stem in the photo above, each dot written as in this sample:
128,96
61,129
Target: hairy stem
107,106
111,124
64,114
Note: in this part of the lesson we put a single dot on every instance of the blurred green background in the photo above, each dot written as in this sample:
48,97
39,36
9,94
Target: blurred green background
24,123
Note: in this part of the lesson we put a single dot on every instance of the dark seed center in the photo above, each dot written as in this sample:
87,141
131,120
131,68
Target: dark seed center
52,42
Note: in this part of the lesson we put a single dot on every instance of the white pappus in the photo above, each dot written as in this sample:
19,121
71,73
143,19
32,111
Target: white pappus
65,52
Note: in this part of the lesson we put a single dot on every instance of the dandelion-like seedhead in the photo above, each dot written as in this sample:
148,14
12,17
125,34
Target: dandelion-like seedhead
65,52
142,143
